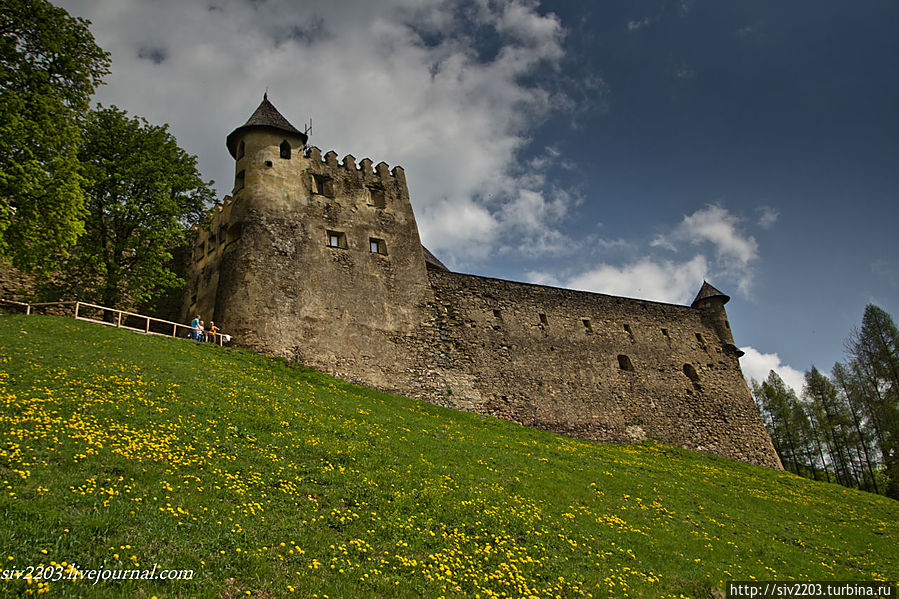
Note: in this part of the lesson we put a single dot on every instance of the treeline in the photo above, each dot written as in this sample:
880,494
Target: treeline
843,428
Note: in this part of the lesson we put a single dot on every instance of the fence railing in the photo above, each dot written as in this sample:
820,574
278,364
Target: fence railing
120,319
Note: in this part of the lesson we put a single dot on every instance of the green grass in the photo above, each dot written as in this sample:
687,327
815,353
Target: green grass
268,479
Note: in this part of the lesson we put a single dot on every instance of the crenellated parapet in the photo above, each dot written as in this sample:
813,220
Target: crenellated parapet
364,170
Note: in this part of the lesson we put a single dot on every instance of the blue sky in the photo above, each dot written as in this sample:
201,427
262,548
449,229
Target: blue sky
630,147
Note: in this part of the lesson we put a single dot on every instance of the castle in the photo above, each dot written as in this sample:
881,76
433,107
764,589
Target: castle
320,260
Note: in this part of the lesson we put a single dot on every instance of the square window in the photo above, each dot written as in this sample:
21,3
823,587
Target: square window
377,246
337,239
322,185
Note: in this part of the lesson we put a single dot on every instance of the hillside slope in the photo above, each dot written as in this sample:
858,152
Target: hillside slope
268,479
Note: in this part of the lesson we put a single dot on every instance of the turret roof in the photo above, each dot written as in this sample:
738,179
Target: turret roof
707,291
266,116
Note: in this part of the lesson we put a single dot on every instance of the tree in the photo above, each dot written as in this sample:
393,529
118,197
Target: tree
874,359
144,194
779,402
49,68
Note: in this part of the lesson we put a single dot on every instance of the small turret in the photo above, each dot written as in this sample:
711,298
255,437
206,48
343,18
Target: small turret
266,117
711,302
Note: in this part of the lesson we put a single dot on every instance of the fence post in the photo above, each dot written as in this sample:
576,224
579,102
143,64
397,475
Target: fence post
174,330
147,328
27,309
118,320
77,305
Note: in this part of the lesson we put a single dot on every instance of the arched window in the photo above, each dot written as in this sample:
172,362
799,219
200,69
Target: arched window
241,149
285,150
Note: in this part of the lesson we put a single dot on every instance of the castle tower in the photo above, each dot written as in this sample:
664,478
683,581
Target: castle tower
710,302
323,259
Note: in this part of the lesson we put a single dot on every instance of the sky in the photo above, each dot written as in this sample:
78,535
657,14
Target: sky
629,147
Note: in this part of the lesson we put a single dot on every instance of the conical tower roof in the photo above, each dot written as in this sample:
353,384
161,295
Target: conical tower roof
265,117
707,291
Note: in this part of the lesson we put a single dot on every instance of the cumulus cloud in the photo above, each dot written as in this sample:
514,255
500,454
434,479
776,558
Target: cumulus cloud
646,278
636,25
756,365
735,251
396,80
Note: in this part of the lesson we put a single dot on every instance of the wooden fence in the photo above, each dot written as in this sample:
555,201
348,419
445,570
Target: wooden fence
121,319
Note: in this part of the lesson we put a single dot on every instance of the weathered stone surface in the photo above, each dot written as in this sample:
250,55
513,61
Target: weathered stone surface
320,260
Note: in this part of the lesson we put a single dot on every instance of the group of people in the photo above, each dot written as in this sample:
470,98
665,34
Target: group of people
199,332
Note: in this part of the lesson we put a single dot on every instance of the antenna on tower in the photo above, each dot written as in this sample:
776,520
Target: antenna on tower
307,129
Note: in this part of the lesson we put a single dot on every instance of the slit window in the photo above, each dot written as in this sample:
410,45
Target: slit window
587,326
337,239
285,150
240,180
321,185
241,150
624,363
691,373
700,339
378,198
543,319
497,313
377,246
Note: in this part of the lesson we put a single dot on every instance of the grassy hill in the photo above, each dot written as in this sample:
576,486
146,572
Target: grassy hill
268,479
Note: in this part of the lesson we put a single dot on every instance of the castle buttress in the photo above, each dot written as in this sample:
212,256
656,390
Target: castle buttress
320,260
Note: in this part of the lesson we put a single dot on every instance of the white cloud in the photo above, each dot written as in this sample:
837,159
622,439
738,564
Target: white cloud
735,251
646,278
395,80
767,216
756,365
637,24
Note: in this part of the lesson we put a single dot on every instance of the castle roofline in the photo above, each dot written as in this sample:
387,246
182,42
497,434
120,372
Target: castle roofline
708,291
267,117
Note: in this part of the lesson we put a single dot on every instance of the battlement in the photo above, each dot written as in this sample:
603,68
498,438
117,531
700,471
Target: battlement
365,172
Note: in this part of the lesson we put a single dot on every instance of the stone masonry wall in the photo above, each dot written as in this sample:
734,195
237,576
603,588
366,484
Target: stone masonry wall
549,358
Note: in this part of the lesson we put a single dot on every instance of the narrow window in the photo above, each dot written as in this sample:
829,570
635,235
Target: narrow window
337,239
377,246
241,149
630,333
693,376
210,247
587,326
700,339
543,319
239,180
285,150
378,199
321,185
497,313
624,363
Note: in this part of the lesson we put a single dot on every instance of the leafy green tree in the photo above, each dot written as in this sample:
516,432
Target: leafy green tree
49,68
145,193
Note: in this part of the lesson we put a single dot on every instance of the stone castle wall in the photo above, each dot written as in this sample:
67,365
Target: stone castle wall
586,365
320,260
